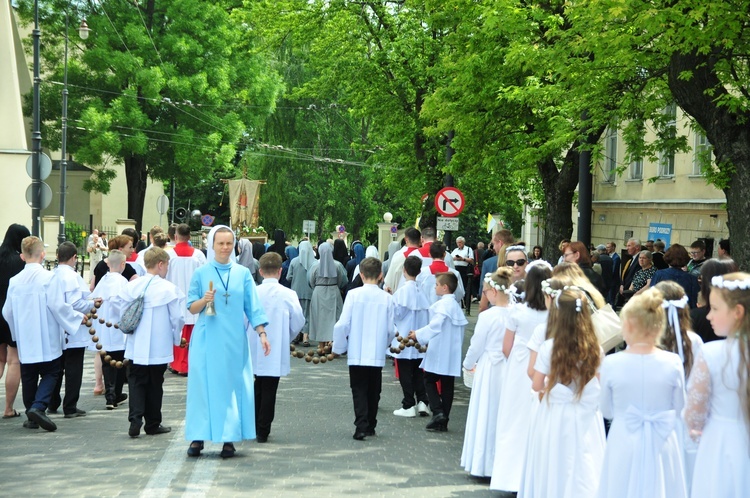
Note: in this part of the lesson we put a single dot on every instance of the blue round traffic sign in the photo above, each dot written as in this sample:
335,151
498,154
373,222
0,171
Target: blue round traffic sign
207,220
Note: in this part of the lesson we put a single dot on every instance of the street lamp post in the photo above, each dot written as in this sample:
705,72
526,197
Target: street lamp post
83,32
36,134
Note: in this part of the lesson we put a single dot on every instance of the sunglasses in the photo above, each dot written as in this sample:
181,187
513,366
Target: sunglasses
518,262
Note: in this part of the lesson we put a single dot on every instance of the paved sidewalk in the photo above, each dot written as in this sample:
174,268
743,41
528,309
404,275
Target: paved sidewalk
310,450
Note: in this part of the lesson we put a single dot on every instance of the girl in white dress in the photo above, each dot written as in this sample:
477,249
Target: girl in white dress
566,442
643,392
485,356
718,409
679,338
517,400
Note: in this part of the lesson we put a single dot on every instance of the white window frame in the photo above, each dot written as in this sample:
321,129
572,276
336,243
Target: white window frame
610,161
666,160
636,169
701,144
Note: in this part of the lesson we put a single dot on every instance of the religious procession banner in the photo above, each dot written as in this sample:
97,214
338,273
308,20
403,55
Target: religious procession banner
243,198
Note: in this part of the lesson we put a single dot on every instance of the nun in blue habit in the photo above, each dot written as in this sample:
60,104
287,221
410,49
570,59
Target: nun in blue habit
220,398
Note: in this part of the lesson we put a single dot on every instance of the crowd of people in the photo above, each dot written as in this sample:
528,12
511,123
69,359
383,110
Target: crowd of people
552,412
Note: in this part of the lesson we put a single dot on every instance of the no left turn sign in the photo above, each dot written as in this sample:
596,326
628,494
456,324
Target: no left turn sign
449,202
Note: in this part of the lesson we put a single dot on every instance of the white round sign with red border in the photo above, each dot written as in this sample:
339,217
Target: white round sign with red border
449,202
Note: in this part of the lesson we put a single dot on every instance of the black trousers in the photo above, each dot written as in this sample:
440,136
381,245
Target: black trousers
38,380
366,384
265,404
72,369
440,403
411,378
114,378
145,383
466,274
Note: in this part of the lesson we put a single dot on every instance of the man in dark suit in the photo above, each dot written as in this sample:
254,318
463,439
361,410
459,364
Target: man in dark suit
616,269
630,266
605,261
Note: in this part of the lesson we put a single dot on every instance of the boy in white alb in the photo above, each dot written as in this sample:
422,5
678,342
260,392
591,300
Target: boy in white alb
112,340
410,312
444,336
364,330
185,259
426,279
285,320
33,328
149,348
67,299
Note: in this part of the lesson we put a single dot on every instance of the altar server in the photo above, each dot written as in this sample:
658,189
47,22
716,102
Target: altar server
444,336
149,348
67,299
185,259
109,288
285,320
426,279
364,331
34,329
411,311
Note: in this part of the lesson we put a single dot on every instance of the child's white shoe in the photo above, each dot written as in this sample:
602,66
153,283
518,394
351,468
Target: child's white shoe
423,409
406,412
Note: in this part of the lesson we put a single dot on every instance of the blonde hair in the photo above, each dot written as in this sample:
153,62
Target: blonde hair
115,259
645,313
672,291
32,246
579,279
575,351
160,239
733,298
502,276
154,256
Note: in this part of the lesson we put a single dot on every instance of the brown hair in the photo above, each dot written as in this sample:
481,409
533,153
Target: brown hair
733,298
370,268
533,287
270,262
710,269
676,256
447,278
584,257
160,239
673,291
575,351
119,242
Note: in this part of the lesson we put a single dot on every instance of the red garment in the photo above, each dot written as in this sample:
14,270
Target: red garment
410,250
132,258
184,249
180,363
438,266
425,250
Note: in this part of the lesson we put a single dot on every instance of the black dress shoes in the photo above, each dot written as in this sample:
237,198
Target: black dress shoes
158,430
359,436
439,423
135,429
30,425
262,439
194,450
227,451
77,413
41,418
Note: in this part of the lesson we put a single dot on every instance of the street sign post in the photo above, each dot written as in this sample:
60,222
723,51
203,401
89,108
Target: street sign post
308,227
450,202
162,206
447,224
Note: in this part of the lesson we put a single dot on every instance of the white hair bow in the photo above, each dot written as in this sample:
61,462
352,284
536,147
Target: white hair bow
673,317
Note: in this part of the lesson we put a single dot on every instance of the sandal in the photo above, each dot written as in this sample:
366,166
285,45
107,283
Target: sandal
195,448
227,451
306,344
15,414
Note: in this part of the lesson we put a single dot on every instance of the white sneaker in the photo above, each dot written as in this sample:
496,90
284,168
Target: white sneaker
406,412
423,409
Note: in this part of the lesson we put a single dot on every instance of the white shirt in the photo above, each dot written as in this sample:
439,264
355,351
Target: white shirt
365,328
444,336
426,280
465,253
67,299
181,269
285,320
161,324
108,289
31,323
411,311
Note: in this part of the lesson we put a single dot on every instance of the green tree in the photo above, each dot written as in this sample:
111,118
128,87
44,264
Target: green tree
148,92
699,50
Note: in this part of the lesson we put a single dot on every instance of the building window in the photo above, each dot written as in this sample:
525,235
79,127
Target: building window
666,158
610,162
702,151
636,169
